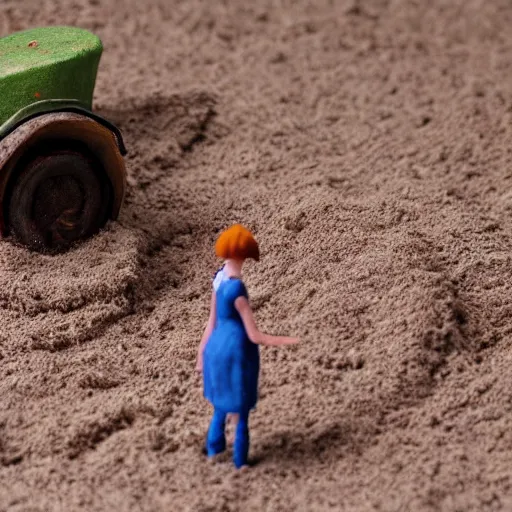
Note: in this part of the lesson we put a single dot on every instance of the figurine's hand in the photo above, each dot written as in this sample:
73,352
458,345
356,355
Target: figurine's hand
278,341
286,340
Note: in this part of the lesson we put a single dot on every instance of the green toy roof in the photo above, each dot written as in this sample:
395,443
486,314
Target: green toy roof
41,65
53,45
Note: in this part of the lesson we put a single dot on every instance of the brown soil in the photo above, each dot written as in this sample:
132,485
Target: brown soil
367,144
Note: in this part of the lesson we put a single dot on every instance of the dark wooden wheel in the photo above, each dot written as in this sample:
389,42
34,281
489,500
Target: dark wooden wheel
58,196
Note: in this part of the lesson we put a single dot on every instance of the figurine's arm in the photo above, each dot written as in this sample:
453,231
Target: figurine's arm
206,334
255,335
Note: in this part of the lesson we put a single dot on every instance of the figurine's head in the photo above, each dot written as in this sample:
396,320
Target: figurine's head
237,243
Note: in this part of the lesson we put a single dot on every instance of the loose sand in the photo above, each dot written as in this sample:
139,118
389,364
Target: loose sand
368,145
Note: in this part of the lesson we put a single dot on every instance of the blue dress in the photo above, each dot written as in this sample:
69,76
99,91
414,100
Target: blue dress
231,361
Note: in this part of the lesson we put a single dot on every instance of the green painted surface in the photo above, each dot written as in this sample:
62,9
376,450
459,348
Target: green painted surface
62,65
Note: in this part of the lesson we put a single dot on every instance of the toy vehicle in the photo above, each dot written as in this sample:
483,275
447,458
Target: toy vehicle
62,173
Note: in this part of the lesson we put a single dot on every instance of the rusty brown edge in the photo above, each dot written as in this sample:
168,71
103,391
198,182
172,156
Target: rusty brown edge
56,105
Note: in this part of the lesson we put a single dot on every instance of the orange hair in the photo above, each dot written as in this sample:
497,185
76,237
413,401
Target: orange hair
238,243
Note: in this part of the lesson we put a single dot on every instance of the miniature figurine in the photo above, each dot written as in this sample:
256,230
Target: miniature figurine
219,277
62,172
228,354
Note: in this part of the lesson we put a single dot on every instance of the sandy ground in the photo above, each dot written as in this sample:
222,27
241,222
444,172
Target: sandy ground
367,144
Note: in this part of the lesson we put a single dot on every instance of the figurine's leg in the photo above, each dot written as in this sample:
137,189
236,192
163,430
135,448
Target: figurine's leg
216,440
241,446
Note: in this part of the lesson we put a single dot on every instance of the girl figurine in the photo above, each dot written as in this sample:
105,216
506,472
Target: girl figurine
228,354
